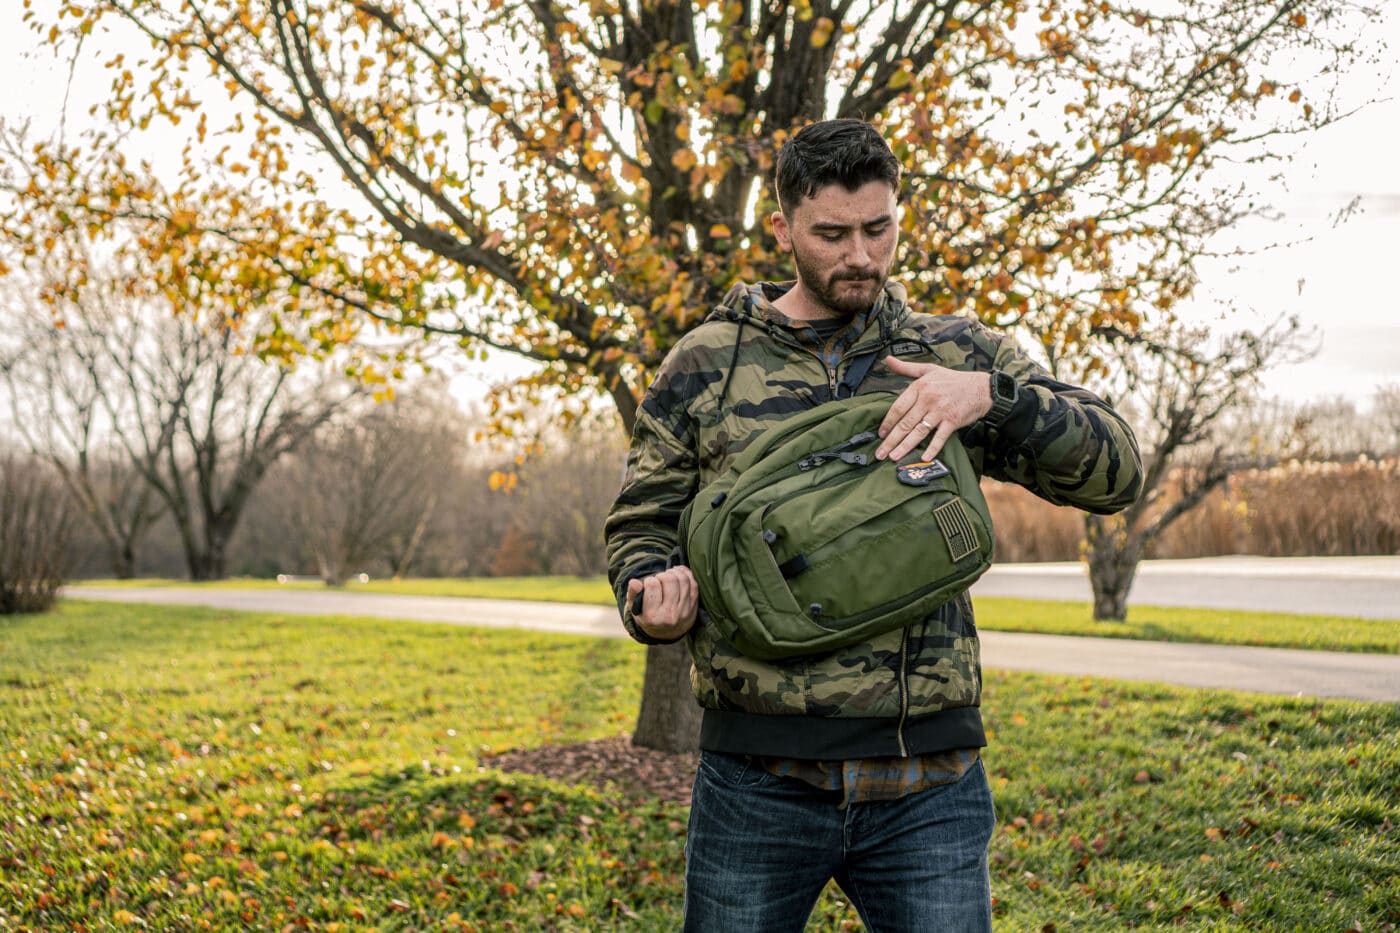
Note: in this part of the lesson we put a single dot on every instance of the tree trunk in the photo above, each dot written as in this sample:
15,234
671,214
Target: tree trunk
1113,555
330,569
211,561
201,567
123,561
1111,593
669,719
400,562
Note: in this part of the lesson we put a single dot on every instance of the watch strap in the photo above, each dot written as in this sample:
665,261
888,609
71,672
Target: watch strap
1004,391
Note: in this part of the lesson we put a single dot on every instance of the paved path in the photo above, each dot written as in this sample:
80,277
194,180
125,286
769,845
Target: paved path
502,613
1365,587
1265,670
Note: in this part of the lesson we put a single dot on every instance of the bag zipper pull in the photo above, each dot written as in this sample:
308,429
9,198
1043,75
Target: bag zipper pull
840,451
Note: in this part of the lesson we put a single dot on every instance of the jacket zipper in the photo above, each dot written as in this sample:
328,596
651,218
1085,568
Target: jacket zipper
830,370
831,380
903,692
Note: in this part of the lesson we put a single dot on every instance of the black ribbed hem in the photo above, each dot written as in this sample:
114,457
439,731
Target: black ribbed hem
833,739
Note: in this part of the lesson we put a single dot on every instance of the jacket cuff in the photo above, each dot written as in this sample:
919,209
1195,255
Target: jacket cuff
1019,423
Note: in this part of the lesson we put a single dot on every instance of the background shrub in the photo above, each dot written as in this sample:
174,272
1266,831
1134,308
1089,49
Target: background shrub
35,530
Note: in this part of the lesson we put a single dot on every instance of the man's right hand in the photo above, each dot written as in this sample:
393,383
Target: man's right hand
670,602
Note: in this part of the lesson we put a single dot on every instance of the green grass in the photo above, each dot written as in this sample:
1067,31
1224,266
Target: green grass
184,768
1151,623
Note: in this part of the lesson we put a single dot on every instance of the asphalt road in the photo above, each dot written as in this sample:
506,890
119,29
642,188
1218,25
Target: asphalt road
1221,583
1365,587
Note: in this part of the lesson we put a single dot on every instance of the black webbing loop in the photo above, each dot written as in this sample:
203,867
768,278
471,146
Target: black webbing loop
793,566
856,372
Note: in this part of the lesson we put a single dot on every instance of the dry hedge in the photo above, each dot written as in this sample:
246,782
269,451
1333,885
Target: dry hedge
1292,510
36,523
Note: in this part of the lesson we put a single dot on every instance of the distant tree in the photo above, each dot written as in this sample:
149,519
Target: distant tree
1385,414
55,379
564,493
466,528
366,486
198,417
1180,392
1332,428
236,416
268,541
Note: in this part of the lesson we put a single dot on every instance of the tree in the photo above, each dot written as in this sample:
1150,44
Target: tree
1385,412
1183,395
235,416
56,378
565,490
366,486
584,198
198,417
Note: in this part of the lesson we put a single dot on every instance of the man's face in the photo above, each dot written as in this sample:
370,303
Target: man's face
842,243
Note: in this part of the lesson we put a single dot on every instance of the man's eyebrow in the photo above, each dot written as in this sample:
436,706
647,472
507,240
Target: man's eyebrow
835,227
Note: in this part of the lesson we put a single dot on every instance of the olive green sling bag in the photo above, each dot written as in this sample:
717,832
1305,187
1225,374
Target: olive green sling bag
807,543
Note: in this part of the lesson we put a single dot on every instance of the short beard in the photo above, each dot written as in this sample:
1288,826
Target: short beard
823,289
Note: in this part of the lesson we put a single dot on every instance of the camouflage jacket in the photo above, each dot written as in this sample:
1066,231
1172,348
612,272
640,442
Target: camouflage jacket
908,692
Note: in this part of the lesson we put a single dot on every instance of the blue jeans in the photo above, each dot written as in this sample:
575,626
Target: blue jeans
761,848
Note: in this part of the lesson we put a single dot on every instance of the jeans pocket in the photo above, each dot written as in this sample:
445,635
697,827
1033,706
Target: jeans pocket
734,770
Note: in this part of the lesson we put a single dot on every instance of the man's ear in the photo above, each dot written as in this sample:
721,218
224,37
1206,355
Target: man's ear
781,231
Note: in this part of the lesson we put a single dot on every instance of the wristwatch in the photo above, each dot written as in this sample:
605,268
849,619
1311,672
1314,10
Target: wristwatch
1004,391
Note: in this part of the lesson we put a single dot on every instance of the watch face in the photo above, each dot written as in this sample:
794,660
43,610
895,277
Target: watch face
1003,386
1003,397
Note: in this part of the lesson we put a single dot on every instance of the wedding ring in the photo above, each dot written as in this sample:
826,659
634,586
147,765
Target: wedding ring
924,424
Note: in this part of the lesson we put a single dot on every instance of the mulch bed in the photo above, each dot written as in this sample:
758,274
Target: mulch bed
611,764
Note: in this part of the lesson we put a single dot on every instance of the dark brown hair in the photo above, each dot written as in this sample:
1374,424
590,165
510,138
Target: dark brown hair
849,153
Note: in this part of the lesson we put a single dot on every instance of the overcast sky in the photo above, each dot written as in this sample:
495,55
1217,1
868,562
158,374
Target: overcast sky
1333,275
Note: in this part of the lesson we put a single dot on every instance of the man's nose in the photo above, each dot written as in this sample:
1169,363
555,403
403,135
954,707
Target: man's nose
858,256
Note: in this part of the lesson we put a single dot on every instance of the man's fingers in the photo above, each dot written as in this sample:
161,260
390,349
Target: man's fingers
907,368
665,604
906,400
690,603
898,409
656,598
681,591
909,439
902,437
901,423
661,595
940,437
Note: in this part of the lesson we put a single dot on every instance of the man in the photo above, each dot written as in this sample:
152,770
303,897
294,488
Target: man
861,765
